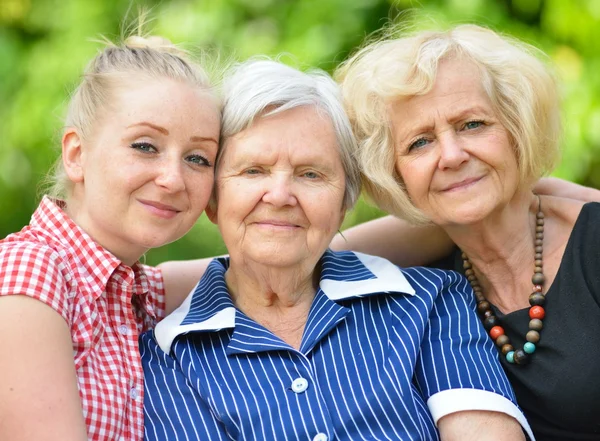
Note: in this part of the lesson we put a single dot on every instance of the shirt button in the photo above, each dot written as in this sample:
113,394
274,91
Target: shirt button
299,385
134,394
123,329
321,437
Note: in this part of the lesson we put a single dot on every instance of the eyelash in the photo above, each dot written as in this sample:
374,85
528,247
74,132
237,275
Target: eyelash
203,161
413,145
316,175
147,147
464,127
141,145
478,121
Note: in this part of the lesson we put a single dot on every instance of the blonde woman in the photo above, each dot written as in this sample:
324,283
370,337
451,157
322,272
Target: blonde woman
454,129
136,172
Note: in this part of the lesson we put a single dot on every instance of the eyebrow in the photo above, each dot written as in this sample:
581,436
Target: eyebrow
153,126
166,132
203,139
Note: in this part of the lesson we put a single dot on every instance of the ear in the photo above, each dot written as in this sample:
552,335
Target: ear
72,155
211,212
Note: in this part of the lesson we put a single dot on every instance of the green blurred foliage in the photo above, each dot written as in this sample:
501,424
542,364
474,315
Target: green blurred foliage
45,44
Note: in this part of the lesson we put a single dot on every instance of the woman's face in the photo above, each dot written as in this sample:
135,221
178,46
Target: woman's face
453,154
147,172
280,187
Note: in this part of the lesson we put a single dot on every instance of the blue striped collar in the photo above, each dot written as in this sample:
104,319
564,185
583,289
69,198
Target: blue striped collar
344,275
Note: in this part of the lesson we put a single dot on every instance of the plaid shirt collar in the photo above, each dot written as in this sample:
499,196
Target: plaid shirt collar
98,264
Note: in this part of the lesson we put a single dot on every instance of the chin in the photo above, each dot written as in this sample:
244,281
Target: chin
465,215
157,240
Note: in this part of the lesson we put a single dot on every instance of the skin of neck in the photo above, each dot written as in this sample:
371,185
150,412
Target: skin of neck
75,211
278,298
501,250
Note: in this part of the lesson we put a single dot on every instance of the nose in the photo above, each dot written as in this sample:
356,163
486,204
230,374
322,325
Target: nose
452,152
278,191
170,175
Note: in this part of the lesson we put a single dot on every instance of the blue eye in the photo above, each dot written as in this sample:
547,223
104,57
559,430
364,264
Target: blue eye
310,175
421,142
145,147
198,160
473,125
252,171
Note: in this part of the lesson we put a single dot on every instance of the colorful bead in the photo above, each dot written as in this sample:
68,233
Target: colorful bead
532,336
490,322
483,306
507,348
536,324
510,357
521,357
536,300
537,312
502,340
538,279
496,332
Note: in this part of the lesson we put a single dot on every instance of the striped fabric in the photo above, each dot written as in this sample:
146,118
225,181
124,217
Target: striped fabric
385,353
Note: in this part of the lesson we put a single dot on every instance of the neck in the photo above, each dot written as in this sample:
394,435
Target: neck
277,298
501,250
79,216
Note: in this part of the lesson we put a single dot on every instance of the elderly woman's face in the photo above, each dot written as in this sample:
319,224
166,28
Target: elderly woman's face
280,187
452,153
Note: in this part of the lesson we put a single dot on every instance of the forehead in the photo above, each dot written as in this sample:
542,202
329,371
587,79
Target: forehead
301,134
165,100
458,88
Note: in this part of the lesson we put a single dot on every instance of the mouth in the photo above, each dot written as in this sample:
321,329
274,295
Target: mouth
277,225
161,210
461,185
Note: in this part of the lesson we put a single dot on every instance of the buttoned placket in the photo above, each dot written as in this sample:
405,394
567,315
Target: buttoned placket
302,378
129,336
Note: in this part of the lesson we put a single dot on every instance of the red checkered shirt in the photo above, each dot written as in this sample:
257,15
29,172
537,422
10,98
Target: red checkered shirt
105,303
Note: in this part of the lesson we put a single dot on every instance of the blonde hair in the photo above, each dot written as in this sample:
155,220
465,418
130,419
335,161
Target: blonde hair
520,86
150,57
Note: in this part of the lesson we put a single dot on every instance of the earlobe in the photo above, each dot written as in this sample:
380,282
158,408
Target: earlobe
72,155
211,212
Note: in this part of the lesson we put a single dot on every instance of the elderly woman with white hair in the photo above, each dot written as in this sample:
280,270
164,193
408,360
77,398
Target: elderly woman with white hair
286,339
454,129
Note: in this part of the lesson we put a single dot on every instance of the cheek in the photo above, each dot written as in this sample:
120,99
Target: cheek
324,213
201,190
414,179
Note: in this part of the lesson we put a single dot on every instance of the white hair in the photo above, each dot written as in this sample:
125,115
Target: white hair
258,88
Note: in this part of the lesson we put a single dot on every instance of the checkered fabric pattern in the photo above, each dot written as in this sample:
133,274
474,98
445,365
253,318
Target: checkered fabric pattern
106,304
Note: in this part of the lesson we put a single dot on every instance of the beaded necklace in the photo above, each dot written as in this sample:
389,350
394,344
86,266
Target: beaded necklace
536,300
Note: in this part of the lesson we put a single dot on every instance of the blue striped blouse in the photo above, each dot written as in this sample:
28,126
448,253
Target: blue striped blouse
385,353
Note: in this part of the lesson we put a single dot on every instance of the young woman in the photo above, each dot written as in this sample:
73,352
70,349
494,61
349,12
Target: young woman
136,172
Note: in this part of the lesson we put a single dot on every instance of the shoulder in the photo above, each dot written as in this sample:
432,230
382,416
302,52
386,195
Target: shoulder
180,278
25,255
434,280
573,221
154,275
565,211
35,270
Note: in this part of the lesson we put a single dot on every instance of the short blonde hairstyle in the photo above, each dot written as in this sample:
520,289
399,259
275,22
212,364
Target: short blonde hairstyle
136,59
519,84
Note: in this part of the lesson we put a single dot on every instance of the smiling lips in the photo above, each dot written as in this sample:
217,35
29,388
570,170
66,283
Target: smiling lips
276,224
160,210
461,185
